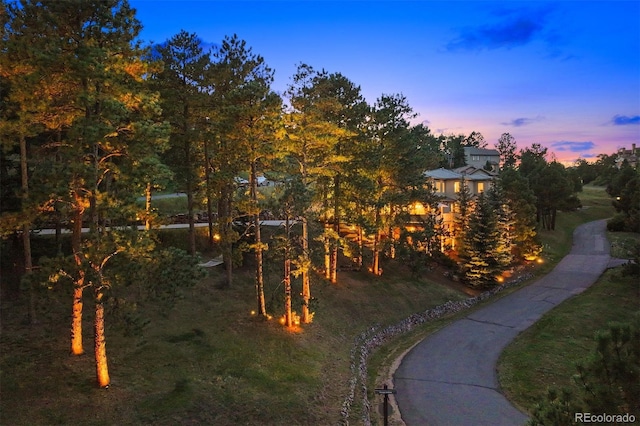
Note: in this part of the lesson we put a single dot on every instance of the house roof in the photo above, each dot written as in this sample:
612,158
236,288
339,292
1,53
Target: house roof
472,150
442,173
445,174
472,170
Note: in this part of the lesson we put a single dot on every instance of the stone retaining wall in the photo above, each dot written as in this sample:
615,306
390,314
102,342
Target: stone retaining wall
372,338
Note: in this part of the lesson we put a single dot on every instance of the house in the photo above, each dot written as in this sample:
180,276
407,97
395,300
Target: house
447,185
629,155
482,158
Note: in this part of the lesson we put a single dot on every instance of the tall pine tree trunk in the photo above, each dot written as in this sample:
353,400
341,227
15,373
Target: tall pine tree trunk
333,276
287,275
147,207
375,266
192,225
225,225
262,310
100,343
207,177
306,287
360,246
326,243
26,229
190,188
78,285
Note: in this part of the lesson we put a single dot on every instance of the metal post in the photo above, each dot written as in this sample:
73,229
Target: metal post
386,392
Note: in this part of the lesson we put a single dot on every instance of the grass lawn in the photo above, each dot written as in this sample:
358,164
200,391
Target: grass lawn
545,355
207,360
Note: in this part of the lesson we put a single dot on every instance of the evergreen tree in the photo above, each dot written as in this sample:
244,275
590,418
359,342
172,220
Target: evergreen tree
463,208
520,200
507,147
482,245
101,106
245,115
505,225
181,84
310,143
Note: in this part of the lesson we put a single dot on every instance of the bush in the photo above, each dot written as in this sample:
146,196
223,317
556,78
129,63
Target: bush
616,223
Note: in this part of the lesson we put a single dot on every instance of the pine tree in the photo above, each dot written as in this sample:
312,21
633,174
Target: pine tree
520,200
505,224
463,208
100,106
480,263
181,84
309,143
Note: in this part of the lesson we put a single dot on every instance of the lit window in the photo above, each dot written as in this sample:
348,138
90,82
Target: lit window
480,187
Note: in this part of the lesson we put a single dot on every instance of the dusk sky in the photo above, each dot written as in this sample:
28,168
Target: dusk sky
565,74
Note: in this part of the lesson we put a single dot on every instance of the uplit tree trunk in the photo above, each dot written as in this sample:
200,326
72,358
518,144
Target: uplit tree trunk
262,310
326,243
392,243
147,207
333,276
287,275
102,370
360,246
375,266
79,284
306,287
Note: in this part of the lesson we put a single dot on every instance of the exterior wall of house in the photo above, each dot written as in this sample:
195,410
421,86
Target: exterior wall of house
478,158
449,187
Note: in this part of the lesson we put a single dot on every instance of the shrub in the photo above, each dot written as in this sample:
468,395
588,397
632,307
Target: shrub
616,223
607,382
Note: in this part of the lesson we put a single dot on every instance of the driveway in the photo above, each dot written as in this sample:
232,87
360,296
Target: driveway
450,377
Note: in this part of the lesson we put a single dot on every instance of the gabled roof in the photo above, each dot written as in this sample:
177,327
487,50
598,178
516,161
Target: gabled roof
445,174
442,173
472,150
472,170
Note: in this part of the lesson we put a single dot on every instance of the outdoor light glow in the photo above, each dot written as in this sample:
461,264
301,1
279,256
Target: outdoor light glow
216,237
418,208
540,260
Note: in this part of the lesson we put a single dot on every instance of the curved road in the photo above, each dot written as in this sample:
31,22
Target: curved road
450,377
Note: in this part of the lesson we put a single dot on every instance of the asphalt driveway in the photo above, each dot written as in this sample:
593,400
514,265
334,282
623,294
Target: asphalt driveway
450,377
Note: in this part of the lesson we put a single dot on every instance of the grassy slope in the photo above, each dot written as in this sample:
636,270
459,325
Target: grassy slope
545,354
207,361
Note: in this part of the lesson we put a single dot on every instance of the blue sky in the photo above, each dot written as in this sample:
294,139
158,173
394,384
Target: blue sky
565,74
